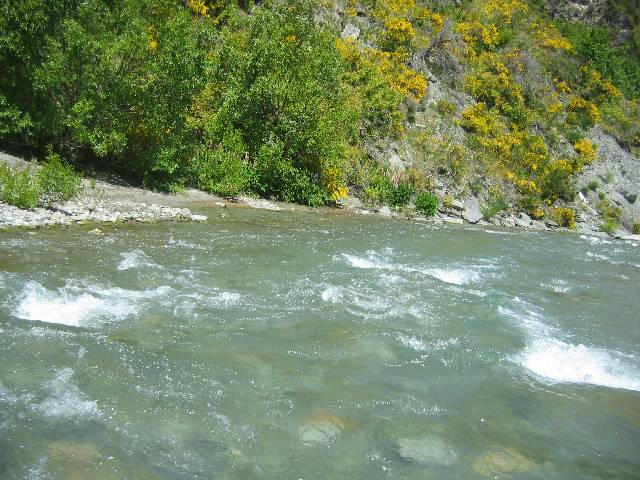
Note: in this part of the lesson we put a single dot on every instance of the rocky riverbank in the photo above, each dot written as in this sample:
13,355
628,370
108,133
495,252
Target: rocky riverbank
112,201
87,210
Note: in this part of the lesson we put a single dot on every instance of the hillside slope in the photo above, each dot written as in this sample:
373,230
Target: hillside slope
481,109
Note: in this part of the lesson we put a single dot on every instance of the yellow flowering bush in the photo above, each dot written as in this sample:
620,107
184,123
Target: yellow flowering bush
555,109
334,184
582,112
598,87
212,9
550,37
397,35
477,118
585,150
504,9
478,36
493,84
562,86
404,79
527,187
566,217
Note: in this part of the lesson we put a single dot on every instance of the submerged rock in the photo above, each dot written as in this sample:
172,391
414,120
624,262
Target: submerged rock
499,461
322,426
429,451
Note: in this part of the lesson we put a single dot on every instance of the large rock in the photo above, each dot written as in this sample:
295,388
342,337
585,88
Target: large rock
350,32
322,426
471,212
617,172
429,451
385,211
523,220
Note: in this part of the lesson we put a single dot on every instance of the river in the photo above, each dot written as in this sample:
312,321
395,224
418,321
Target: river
271,345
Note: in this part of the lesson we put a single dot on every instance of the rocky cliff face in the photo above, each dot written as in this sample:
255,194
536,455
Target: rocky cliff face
589,12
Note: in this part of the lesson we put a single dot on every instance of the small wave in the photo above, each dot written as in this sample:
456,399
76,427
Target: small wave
66,400
557,286
134,259
74,307
557,361
413,342
370,304
595,240
172,242
562,362
454,276
332,294
214,298
598,256
421,346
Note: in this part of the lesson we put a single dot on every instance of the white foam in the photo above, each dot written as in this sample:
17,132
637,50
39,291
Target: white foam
332,294
454,276
413,342
421,346
598,256
66,400
595,240
557,285
43,305
76,307
559,361
365,303
134,259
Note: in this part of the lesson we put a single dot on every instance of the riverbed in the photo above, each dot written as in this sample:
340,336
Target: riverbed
280,345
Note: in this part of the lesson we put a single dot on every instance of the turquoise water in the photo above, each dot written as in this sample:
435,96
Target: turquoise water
268,345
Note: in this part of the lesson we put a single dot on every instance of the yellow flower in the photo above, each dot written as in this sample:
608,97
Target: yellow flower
585,150
333,184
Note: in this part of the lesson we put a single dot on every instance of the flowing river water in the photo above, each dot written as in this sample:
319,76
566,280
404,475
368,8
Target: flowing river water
269,345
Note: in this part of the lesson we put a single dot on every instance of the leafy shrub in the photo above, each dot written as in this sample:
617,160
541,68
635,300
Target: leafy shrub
277,88
495,205
18,187
427,203
611,215
566,217
583,113
636,227
275,176
585,150
597,45
221,171
379,188
531,205
592,186
398,35
57,181
558,183
610,225
609,210
401,195
446,108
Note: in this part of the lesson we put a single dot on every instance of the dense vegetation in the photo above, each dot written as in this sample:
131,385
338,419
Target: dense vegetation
54,182
233,97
